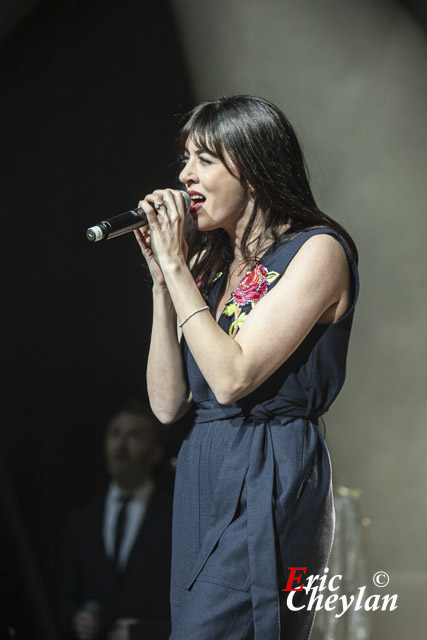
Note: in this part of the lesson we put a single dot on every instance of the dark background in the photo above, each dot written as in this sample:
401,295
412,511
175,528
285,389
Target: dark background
91,93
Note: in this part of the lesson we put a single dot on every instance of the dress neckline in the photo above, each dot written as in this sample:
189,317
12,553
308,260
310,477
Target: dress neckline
274,244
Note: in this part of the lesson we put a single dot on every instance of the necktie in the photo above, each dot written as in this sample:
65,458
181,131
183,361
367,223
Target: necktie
120,528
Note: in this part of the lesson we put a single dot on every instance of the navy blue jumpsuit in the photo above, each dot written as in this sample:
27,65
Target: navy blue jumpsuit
253,491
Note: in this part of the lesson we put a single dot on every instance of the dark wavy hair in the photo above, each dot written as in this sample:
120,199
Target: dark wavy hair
262,145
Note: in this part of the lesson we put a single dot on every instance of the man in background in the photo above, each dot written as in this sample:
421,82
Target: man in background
118,547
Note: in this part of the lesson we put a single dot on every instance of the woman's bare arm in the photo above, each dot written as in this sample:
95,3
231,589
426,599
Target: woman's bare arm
167,385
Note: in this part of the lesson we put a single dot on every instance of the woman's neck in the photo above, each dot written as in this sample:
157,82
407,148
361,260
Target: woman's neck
256,247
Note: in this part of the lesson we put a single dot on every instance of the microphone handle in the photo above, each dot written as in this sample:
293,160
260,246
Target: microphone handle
123,223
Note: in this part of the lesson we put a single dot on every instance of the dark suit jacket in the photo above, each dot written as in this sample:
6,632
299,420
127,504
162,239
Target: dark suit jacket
142,590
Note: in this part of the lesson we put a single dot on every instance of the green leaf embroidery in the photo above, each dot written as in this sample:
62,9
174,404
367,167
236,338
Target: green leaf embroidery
240,320
229,308
272,276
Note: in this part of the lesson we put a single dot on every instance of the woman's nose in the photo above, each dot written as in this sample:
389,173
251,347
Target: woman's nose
188,173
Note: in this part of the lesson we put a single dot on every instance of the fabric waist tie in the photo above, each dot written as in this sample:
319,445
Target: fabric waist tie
269,411
255,462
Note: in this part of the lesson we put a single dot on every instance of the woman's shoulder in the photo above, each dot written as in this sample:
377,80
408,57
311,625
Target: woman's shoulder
313,255
323,250
314,242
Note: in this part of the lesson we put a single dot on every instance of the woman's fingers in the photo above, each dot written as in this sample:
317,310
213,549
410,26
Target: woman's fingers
177,202
163,238
168,202
180,202
142,235
148,207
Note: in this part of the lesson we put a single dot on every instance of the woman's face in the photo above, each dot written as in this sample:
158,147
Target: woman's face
218,200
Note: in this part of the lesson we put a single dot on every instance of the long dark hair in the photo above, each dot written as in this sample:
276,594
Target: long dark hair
262,145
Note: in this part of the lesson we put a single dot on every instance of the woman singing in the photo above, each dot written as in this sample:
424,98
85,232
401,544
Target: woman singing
262,286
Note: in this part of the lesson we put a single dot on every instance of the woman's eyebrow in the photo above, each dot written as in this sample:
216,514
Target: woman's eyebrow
199,151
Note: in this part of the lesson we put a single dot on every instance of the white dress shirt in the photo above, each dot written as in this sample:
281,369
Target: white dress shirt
136,511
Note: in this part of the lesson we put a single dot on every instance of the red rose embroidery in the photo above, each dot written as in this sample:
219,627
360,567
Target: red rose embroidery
252,287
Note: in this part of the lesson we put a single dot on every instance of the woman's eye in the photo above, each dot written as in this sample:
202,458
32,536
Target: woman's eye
183,159
204,160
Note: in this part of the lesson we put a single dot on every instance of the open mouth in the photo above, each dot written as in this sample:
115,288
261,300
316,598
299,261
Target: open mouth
197,200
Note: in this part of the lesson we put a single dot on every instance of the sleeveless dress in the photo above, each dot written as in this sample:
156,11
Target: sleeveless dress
253,493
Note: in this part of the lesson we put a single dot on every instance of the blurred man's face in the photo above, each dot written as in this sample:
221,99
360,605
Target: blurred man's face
131,449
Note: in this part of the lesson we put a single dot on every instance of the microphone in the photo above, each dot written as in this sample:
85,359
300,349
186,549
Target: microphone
124,222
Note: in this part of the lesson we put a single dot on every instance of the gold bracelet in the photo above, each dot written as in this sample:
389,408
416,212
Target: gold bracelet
181,324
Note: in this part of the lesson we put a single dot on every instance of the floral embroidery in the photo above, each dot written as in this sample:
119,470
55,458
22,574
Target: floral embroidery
253,286
250,290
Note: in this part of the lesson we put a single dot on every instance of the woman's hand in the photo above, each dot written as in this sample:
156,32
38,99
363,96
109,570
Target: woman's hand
144,240
162,243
